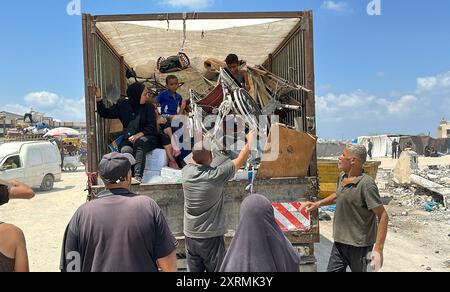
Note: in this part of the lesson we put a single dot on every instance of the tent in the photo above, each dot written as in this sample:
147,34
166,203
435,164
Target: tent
382,144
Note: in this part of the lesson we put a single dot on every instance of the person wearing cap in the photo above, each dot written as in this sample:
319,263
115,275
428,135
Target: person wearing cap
118,231
204,216
13,250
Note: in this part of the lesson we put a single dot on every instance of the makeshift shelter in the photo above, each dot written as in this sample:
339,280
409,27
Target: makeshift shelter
382,144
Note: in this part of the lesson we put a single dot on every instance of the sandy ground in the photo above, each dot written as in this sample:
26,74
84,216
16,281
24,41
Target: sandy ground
44,219
415,242
411,245
409,248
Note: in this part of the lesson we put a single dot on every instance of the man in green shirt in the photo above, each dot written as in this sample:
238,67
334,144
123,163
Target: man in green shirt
361,221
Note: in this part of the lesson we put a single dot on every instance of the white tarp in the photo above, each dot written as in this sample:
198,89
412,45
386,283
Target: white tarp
146,41
382,144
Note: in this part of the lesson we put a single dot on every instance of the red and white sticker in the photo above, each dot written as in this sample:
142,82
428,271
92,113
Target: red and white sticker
290,219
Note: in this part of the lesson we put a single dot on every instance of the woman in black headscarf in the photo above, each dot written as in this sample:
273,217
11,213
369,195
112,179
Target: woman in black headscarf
139,121
259,244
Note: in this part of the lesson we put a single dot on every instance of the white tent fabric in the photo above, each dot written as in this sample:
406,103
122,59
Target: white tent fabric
201,24
382,145
252,40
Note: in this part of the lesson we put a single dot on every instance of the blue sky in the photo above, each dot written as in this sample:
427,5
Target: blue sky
374,74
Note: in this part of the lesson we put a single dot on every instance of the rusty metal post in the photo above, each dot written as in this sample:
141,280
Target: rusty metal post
310,84
89,96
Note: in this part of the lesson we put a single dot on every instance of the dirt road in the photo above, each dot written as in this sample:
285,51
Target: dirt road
412,245
45,218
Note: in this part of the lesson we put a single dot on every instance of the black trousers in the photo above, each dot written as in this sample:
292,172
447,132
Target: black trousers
139,150
29,116
205,254
394,154
344,256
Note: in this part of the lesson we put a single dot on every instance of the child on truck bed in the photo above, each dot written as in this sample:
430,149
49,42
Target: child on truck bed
171,102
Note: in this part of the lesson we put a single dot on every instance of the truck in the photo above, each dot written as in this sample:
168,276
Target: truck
281,42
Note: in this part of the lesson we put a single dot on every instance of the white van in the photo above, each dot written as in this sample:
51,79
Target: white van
37,164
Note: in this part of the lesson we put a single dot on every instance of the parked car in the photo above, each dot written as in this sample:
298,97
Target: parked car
37,164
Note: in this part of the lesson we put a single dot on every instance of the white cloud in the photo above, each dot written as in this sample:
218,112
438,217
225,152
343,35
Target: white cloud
406,103
43,99
193,4
358,108
346,103
361,113
336,6
15,108
52,105
438,84
71,108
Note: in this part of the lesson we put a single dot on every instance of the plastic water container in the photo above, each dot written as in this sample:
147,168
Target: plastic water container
172,175
152,177
156,160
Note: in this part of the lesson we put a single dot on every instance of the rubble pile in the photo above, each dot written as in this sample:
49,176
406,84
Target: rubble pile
437,174
413,197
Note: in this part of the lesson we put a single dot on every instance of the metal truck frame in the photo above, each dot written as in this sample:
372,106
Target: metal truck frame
295,54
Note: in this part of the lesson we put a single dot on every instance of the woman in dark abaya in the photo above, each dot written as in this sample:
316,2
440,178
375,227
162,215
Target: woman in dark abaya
259,244
139,121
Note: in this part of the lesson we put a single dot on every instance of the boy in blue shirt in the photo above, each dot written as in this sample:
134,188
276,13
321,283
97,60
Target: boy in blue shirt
171,102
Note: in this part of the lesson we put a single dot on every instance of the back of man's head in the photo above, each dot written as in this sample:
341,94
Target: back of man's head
202,156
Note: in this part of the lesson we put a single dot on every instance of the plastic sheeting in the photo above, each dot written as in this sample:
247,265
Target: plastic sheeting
252,40
382,145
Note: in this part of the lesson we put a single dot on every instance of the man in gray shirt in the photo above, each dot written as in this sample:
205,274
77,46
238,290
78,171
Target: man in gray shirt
119,231
361,221
204,218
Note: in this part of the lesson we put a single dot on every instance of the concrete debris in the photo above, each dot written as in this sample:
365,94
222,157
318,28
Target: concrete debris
441,175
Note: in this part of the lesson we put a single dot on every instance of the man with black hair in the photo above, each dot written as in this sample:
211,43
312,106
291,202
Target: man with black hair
241,76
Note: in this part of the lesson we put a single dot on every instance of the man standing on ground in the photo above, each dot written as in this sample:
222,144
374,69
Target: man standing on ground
204,218
361,221
119,231
370,148
394,149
